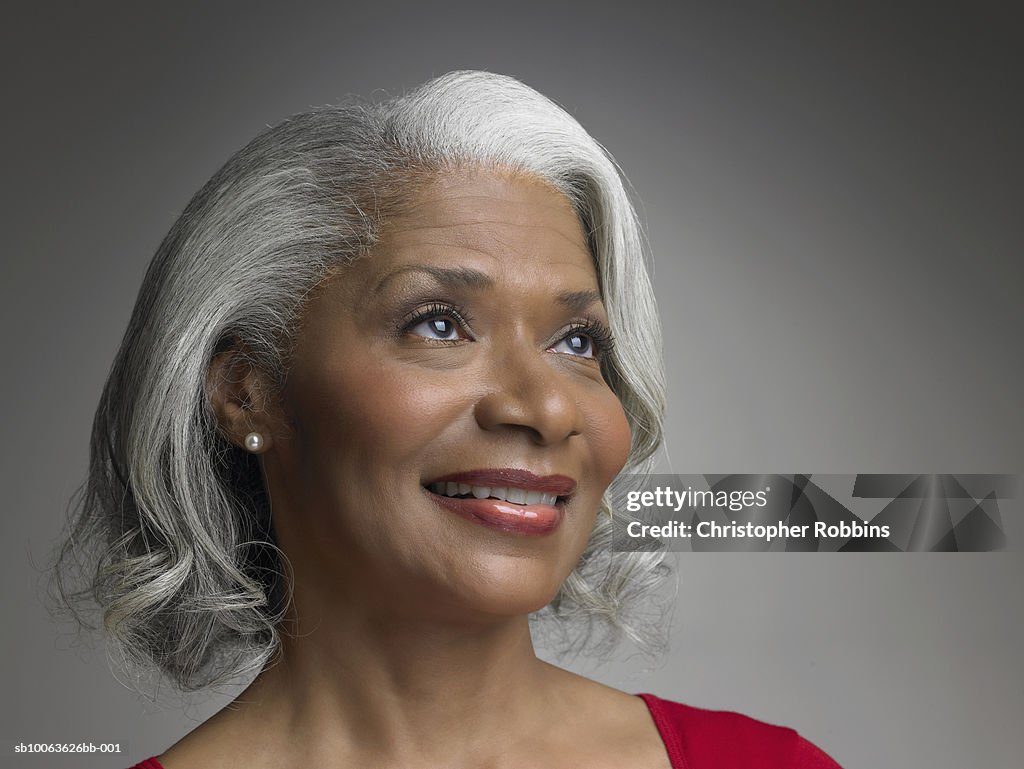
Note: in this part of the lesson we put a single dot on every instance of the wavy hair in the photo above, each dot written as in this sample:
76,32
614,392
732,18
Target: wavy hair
171,534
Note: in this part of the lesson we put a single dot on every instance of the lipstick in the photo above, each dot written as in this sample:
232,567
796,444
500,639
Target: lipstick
509,500
562,485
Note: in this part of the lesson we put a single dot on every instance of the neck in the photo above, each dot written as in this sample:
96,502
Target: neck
374,688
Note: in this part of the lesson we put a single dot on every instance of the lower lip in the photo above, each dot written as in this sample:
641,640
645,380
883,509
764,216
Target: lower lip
533,520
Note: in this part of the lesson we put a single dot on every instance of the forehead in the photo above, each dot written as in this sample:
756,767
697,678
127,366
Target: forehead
493,221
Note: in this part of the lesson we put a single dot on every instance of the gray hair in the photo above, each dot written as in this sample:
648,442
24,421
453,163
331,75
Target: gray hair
172,534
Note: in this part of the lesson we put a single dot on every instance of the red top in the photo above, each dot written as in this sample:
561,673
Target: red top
714,739
719,739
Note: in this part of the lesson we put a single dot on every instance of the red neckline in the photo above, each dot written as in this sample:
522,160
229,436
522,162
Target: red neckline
669,736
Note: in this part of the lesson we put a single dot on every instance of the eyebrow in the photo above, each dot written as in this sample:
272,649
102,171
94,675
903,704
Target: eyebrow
578,301
462,277
468,277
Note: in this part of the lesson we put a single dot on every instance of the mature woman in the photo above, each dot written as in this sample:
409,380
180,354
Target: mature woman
378,379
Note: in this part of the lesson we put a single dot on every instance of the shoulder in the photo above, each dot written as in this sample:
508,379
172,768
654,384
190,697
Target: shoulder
149,763
696,738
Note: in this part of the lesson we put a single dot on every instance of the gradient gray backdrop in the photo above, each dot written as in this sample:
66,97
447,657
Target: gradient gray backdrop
833,198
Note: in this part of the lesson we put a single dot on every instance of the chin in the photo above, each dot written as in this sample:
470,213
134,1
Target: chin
508,586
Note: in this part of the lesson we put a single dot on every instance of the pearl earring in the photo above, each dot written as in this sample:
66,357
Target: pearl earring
253,442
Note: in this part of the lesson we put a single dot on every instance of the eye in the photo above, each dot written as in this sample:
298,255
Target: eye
438,322
577,344
436,328
590,340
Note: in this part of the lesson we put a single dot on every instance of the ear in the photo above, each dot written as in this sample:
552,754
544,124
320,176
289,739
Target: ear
240,397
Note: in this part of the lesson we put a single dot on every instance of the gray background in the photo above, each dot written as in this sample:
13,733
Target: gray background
833,200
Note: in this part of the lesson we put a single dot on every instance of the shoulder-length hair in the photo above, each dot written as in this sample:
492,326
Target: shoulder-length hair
172,534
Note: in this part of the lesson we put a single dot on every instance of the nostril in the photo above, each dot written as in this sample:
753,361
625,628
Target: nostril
545,413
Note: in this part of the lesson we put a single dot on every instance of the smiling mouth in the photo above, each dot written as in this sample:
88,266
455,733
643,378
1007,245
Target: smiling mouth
510,501
511,494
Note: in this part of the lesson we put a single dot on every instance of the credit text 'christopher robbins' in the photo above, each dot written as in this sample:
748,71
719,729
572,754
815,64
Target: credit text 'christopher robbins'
665,499
768,532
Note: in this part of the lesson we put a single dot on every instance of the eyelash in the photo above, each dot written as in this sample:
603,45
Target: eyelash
599,334
436,310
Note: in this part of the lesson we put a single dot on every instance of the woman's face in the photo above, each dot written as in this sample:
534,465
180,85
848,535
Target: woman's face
448,431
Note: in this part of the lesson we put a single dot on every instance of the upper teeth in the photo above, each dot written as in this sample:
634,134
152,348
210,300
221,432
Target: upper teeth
506,493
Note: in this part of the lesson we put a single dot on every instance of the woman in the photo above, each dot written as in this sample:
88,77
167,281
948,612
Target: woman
379,377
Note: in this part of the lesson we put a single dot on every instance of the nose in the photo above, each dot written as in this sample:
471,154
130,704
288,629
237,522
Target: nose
528,393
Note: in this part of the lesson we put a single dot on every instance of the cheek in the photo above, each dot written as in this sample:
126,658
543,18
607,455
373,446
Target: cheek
365,435
379,418
612,437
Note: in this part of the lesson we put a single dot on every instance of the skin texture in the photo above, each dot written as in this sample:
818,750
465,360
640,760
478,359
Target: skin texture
452,347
